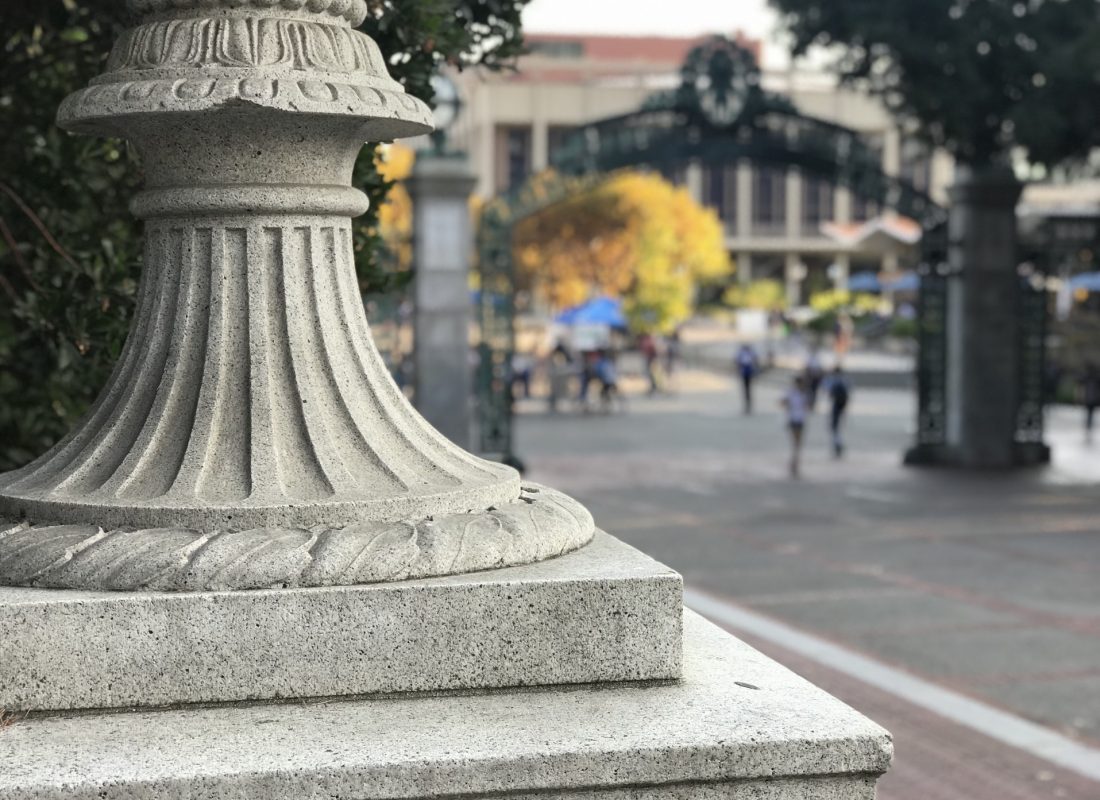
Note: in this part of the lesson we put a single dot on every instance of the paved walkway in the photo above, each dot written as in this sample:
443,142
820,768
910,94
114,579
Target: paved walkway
986,585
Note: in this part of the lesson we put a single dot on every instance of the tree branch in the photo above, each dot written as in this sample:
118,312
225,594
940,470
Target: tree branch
13,245
41,226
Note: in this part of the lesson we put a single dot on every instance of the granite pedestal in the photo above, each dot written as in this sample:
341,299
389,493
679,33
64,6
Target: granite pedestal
736,725
604,613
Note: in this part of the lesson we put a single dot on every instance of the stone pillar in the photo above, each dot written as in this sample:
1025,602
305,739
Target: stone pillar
483,149
983,332
943,168
794,205
794,272
744,200
891,152
440,188
486,640
843,270
693,180
744,267
540,143
842,200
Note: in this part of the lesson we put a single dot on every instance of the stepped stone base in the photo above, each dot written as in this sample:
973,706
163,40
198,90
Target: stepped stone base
603,613
736,726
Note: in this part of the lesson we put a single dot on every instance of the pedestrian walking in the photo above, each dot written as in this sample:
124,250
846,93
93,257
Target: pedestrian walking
607,374
747,366
672,352
815,374
795,402
1090,397
647,344
523,368
560,366
840,391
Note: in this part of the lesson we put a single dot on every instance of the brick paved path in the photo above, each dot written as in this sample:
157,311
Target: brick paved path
935,759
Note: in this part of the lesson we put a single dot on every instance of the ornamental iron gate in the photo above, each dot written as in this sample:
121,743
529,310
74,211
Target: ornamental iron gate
719,115
1038,257
1032,303
934,271
1061,246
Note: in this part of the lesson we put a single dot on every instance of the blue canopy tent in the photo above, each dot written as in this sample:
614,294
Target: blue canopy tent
1089,281
864,282
597,311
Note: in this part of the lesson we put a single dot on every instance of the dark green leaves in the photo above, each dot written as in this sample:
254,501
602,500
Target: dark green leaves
69,249
978,77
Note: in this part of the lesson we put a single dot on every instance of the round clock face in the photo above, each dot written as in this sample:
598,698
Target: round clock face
722,92
446,102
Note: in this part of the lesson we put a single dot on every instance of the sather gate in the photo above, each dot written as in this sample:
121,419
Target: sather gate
719,114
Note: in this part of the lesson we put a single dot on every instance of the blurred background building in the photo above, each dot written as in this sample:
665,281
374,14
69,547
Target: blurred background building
779,224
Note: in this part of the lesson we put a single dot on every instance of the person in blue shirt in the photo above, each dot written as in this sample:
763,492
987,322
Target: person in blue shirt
840,391
747,365
796,403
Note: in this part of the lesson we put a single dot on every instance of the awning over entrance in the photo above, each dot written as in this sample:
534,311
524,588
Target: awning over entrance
879,236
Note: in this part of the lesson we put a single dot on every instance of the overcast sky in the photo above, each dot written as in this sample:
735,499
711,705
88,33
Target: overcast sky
657,17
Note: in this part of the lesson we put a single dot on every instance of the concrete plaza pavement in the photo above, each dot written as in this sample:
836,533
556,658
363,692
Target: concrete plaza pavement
985,584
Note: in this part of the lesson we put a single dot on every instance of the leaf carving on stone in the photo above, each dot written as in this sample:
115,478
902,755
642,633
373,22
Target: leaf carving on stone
237,42
542,523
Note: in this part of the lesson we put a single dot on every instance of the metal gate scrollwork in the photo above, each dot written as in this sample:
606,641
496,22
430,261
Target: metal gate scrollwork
934,273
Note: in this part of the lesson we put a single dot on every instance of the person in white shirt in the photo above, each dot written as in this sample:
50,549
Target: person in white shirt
797,405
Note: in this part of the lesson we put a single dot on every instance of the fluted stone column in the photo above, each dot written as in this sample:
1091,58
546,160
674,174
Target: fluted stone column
250,411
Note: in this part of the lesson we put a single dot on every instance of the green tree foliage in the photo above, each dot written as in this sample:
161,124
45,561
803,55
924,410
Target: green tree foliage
977,77
69,249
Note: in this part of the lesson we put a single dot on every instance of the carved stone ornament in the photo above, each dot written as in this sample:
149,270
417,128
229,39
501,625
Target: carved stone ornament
250,435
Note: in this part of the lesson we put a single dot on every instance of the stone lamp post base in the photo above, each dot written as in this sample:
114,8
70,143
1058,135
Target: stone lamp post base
250,435
313,593
579,677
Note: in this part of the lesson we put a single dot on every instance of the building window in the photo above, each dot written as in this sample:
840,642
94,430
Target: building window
872,146
556,138
863,207
567,48
769,200
720,192
916,164
817,204
513,156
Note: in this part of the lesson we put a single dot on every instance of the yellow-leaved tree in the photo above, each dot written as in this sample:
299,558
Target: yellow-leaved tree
765,295
634,236
395,163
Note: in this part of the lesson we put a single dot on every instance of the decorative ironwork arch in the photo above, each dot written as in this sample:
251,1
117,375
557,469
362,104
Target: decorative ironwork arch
719,114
